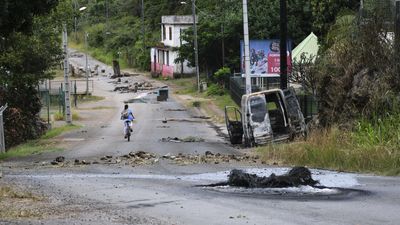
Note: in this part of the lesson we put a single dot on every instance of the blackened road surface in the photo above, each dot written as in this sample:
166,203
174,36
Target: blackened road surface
164,192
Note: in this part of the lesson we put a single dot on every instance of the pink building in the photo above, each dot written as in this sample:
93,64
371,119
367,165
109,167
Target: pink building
163,55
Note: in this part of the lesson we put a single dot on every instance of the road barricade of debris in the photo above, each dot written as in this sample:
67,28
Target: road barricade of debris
145,158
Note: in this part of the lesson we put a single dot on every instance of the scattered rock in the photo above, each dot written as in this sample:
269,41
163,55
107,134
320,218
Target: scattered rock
108,156
176,110
208,153
54,163
126,156
178,140
60,159
1,174
84,162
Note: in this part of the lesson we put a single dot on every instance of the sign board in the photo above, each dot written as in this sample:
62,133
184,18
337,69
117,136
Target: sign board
265,58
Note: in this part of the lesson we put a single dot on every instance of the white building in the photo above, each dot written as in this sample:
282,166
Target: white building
163,56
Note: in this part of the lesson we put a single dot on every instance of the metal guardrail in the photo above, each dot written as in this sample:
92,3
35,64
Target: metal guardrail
2,139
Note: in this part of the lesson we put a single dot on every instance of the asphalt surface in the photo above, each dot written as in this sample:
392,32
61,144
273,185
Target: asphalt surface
161,192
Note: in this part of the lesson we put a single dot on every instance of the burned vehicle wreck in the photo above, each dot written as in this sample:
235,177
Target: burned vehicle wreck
265,117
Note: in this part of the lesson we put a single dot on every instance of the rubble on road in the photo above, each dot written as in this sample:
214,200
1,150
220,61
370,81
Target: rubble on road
1,174
60,159
179,140
124,74
175,110
146,158
128,86
210,158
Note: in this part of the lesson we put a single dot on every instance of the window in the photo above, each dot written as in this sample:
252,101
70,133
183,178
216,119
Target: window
163,32
258,109
167,58
170,33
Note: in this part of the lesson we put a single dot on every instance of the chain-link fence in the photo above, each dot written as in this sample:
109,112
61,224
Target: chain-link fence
52,97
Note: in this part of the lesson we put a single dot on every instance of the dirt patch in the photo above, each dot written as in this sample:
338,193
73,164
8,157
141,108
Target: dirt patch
18,203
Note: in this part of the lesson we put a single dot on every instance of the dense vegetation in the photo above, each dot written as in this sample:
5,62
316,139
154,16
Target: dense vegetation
116,26
355,81
29,47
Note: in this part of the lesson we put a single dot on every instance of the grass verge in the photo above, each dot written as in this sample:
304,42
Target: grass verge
44,144
99,54
372,147
212,105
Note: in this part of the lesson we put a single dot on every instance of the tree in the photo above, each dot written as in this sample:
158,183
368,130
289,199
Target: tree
357,76
324,13
30,46
263,24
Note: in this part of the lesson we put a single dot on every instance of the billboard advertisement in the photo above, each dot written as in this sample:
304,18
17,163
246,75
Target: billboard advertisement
265,58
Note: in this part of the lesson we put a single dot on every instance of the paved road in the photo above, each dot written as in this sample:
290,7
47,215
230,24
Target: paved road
168,193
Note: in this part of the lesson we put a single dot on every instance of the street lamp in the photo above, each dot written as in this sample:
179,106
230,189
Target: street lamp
86,55
196,54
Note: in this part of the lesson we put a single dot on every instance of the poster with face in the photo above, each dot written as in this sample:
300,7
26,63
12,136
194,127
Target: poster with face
264,57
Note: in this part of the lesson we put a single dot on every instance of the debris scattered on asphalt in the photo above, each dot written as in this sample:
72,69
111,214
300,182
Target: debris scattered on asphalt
297,176
146,158
175,110
162,126
1,174
179,140
60,159
202,117
126,86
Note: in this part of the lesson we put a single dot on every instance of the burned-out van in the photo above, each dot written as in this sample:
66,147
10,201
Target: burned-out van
266,116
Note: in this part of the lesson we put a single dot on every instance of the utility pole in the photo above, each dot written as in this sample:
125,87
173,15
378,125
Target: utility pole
397,31
283,44
75,21
68,117
397,39
246,47
107,17
2,139
143,29
223,45
87,63
196,52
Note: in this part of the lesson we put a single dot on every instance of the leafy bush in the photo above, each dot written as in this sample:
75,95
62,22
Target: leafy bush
222,75
215,89
196,104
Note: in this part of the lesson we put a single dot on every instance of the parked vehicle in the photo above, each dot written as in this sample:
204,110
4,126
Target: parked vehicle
264,117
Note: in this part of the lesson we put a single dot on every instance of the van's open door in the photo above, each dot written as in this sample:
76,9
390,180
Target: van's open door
233,120
296,118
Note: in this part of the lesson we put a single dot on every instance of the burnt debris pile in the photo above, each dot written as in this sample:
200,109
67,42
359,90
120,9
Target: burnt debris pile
297,176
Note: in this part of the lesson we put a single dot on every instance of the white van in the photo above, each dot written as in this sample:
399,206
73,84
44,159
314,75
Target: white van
266,116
